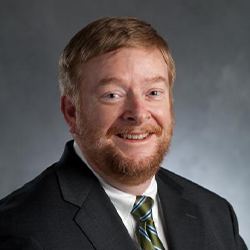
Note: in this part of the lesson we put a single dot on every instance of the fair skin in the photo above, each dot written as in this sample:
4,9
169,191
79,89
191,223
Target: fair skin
125,95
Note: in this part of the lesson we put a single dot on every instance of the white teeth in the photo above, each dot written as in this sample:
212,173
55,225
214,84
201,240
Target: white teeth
135,137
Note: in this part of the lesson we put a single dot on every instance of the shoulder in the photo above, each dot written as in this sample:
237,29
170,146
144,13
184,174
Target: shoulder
35,211
189,189
213,207
218,215
37,194
33,195
40,205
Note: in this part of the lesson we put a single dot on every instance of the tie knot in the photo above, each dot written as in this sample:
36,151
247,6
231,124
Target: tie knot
143,208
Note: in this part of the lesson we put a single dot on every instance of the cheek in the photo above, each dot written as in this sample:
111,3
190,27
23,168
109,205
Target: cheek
105,117
163,118
162,113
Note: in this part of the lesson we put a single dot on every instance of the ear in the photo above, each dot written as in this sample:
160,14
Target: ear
69,112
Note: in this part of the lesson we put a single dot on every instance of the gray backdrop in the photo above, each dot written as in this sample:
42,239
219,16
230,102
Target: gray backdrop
209,40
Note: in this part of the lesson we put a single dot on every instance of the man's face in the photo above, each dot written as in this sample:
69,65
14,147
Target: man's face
125,124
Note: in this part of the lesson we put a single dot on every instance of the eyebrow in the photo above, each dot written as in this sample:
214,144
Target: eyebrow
109,80
153,80
156,79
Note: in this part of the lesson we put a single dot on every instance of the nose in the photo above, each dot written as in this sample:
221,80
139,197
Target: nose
136,111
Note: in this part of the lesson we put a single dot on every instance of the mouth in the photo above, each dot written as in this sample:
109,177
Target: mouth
134,136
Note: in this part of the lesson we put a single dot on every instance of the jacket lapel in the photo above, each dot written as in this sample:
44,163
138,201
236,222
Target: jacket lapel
184,223
96,216
99,220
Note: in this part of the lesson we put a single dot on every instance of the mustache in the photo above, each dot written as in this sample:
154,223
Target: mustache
124,129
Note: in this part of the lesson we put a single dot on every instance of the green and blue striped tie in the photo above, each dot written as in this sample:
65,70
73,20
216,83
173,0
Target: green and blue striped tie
148,237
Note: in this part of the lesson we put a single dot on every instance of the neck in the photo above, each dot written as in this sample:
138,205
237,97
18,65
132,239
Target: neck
136,190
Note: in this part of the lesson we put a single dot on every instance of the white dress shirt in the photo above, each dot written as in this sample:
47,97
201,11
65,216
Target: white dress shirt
124,202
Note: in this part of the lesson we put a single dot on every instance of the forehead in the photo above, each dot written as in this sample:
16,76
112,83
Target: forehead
127,64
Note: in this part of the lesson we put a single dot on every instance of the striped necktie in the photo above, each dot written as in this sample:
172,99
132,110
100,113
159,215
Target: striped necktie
148,237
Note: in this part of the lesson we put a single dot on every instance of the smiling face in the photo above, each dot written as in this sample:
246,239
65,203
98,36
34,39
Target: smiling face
124,123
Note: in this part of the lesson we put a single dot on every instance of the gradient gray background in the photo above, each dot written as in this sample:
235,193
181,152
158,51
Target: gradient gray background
209,41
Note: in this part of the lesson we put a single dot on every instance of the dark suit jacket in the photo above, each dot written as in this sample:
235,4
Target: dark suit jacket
66,208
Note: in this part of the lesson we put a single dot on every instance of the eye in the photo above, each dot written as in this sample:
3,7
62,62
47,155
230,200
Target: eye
111,96
154,92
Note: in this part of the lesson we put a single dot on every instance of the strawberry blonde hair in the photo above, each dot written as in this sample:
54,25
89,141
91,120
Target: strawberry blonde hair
103,36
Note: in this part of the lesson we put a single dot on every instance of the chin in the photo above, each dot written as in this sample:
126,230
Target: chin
138,158
131,170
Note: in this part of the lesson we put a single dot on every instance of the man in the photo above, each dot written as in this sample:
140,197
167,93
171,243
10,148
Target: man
108,190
